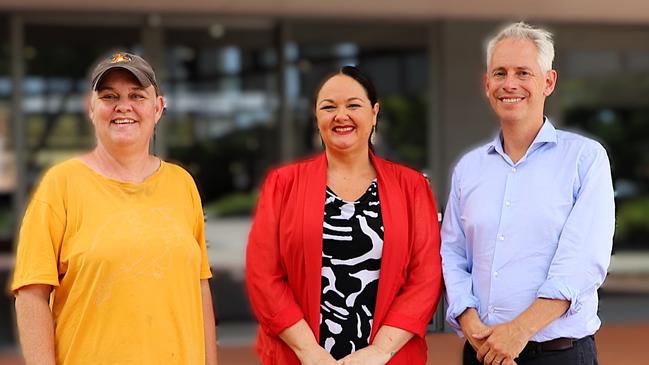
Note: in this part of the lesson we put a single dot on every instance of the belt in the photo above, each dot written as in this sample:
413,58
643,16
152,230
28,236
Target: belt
558,344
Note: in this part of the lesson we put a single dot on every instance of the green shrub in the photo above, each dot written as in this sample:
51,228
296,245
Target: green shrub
236,204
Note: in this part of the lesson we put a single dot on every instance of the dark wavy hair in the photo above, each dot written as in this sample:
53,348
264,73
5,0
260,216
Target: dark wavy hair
362,78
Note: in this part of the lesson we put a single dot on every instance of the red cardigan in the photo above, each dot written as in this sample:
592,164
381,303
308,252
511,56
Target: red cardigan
284,256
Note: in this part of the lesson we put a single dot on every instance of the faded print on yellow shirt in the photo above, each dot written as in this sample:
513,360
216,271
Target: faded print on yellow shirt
127,260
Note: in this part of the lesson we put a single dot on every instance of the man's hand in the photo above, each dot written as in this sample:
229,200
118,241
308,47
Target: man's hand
472,325
502,343
370,355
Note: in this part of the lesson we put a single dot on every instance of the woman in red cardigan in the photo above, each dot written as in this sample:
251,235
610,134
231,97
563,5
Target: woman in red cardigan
342,263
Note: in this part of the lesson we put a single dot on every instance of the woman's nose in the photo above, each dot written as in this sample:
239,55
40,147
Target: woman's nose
341,114
123,105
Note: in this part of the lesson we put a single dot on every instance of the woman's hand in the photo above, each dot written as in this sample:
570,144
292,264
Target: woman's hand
370,355
387,342
302,341
315,355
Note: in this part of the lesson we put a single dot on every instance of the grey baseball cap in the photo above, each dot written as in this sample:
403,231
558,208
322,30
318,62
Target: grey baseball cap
133,63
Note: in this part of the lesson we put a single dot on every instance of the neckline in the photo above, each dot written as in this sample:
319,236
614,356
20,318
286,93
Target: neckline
362,198
111,180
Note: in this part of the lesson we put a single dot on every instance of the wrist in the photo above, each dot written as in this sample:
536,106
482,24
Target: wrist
303,350
384,352
469,318
523,329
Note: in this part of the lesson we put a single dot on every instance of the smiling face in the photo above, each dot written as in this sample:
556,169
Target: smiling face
124,113
345,115
515,84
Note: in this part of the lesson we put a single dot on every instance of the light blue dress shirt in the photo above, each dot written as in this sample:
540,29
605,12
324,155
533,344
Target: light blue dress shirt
539,228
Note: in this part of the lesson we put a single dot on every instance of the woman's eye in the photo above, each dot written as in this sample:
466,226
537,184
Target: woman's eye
354,106
327,107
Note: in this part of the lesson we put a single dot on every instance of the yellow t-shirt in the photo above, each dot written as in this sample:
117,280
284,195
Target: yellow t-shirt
125,261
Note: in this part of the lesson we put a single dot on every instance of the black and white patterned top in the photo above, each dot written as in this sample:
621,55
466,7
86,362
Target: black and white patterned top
352,245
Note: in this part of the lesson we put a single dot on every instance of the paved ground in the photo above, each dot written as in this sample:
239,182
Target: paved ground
621,340
617,344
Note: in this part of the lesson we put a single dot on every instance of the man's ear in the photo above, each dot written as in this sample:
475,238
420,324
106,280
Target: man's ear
550,82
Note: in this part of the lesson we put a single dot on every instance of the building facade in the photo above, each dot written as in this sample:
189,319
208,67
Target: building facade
238,77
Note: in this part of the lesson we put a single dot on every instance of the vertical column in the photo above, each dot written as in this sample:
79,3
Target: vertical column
153,44
285,119
435,132
17,39
17,116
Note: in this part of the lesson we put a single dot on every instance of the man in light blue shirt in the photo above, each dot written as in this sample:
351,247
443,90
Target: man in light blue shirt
528,229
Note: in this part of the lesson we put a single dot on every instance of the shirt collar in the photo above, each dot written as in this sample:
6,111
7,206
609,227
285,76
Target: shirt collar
547,134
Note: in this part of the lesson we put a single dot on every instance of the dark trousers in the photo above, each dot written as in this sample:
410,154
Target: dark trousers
583,352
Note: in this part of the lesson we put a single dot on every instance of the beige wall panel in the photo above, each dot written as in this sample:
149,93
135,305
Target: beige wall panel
636,11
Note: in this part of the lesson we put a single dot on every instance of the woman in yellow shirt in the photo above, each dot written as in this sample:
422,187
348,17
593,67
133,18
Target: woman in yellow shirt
111,264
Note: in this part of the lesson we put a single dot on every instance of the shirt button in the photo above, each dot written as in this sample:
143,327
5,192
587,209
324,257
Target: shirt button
496,273
513,169
508,203
501,237
492,309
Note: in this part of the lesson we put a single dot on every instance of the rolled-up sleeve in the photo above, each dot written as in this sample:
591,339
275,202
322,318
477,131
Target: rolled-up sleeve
583,253
270,296
455,262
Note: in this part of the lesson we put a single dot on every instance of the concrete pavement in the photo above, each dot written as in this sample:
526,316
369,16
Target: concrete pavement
617,345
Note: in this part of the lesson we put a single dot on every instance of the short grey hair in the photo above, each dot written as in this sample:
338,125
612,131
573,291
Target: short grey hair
542,40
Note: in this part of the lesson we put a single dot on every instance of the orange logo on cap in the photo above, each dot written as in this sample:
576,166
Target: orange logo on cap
120,57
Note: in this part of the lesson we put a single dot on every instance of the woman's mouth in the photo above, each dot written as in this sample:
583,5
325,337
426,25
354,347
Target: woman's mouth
122,121
343,129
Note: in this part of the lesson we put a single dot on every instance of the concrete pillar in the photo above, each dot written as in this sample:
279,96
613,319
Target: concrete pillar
286,125
153,43
17,39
